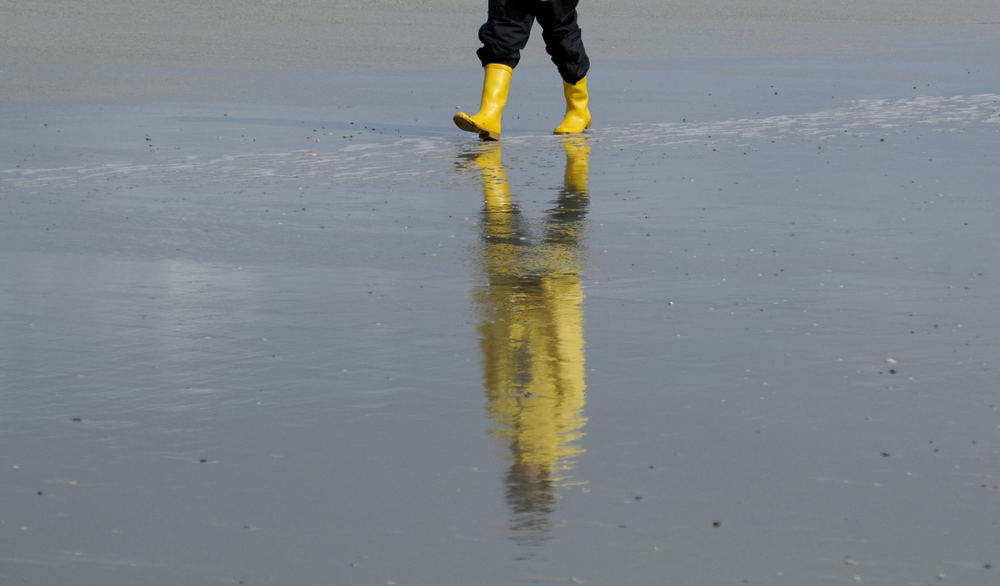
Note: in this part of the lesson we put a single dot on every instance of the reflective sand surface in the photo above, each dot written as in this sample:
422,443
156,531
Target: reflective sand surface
741,332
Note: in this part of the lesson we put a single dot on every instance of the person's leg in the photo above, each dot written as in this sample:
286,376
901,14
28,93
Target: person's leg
563,39
503,36
506,31
564,43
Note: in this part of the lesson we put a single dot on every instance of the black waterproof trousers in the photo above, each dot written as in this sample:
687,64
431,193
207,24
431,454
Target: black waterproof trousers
509,25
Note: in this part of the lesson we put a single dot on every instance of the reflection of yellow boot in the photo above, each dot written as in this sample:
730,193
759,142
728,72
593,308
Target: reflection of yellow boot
496,191
487,121
577,114
577,164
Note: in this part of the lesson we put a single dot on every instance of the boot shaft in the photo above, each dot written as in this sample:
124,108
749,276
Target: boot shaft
577,117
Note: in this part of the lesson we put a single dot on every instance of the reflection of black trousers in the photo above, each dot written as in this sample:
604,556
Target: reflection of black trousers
509,25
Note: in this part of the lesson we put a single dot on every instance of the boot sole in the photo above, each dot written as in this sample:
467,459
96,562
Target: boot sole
587,127
466,123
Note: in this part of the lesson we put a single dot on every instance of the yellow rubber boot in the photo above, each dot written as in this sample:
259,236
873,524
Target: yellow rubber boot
487,121
577,114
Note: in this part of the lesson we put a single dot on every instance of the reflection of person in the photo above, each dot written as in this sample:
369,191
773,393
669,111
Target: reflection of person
532,336
504,35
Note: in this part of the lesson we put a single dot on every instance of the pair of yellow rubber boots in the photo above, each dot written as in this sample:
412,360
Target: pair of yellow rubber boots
495,86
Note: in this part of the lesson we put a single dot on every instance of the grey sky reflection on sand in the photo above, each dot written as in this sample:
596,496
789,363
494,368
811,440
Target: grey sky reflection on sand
97,321
532,337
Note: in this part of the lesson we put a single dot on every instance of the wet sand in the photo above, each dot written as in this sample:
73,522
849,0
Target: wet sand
268,318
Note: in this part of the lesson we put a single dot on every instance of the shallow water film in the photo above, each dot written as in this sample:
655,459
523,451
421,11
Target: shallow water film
744,331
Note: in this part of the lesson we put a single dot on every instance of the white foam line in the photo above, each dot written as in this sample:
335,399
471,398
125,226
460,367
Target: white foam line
858,118
30,172
410,157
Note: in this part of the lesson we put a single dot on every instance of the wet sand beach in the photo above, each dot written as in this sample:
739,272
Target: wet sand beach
267,317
